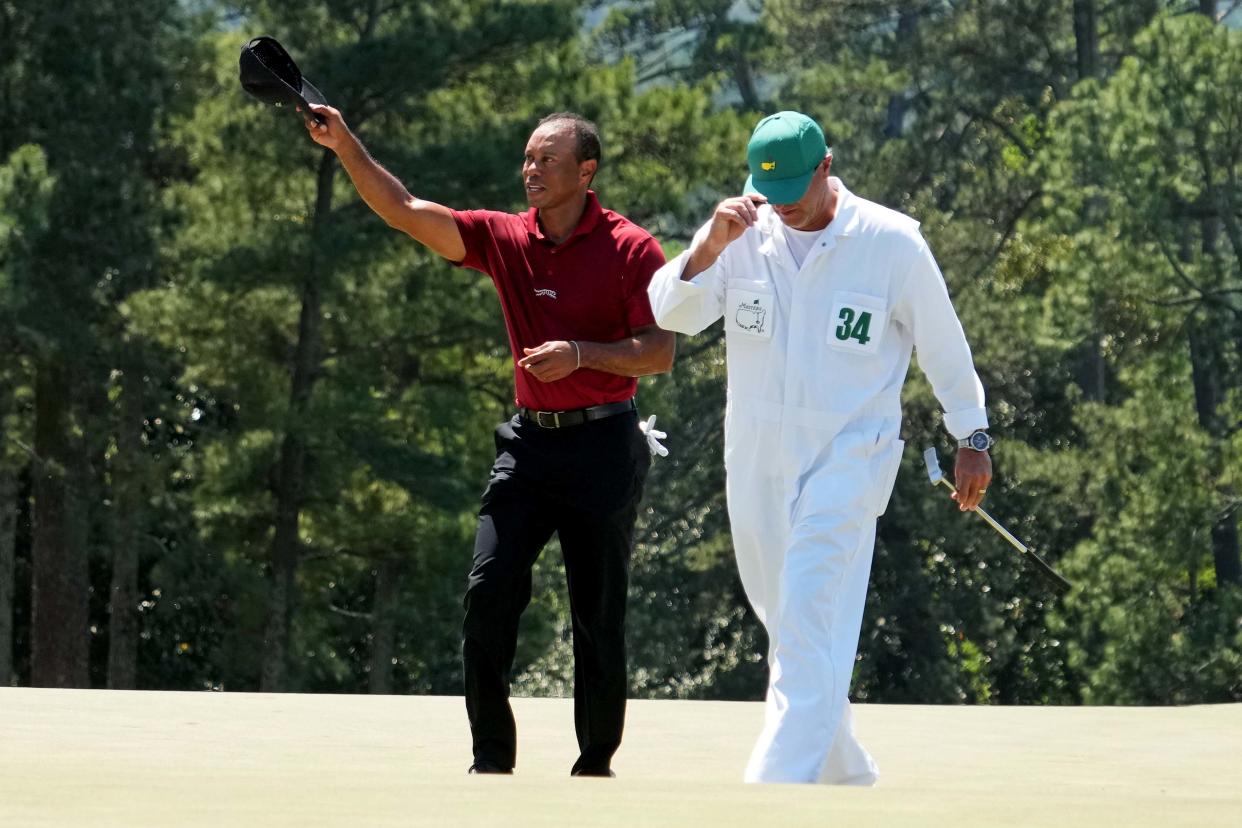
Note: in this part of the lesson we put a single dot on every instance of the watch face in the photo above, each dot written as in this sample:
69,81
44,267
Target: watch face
979,441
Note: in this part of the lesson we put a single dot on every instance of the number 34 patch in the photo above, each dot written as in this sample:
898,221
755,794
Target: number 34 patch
857,323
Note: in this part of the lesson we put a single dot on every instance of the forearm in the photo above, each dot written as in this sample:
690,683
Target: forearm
702,256
380,189
647,352
431,224
730,221
425,221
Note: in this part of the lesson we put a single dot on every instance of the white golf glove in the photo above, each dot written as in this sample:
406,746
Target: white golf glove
654,437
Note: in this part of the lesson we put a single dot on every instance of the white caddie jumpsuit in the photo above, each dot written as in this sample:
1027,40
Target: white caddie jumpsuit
816,357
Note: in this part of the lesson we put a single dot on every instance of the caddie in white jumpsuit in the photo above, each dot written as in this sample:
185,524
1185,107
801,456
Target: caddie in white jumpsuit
824,295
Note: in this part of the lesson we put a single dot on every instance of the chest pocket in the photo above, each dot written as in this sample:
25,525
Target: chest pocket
857,323
750,308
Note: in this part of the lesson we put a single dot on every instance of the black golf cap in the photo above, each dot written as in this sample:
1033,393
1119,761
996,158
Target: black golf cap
270,75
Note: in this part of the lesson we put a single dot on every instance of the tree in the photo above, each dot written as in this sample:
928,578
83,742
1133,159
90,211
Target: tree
717,40
25,190
1155,154
97,145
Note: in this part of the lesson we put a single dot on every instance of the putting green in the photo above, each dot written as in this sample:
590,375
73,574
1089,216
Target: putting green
104,758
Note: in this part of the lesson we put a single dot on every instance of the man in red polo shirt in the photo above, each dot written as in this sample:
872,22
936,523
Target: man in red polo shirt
572,279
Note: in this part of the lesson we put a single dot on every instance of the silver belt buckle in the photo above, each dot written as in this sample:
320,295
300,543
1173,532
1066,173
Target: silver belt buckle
556,419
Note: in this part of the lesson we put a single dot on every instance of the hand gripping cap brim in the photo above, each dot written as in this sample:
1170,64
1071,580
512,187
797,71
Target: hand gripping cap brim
271,76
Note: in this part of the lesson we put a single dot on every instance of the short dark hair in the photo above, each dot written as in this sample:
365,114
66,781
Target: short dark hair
586,134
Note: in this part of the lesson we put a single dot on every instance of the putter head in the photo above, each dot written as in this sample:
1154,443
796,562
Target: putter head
933,465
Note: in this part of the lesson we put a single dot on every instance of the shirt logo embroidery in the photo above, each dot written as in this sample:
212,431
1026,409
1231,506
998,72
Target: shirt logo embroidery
551,294
751,313
768,165
750,317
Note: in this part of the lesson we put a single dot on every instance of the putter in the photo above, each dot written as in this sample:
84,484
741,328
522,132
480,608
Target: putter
1053,577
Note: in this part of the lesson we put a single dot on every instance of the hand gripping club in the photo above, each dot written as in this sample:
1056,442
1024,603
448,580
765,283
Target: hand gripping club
1051,575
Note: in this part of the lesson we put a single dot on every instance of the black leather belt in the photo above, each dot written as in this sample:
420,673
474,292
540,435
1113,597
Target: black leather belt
578,416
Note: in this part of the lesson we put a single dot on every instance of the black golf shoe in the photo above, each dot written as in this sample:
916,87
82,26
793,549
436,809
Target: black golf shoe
483,766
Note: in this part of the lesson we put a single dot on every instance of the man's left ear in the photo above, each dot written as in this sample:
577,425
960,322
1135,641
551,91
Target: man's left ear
588,169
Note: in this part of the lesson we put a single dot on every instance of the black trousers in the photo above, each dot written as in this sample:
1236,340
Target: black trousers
584,483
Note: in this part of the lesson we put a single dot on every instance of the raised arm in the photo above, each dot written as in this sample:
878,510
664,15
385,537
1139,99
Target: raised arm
425,221
729,221
687,294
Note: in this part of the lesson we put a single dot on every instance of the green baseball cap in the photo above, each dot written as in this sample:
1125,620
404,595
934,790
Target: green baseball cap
783,152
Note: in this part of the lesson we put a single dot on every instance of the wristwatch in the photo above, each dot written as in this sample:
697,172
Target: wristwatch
979,440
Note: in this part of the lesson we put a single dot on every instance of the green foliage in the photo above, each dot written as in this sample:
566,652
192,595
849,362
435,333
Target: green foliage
26,188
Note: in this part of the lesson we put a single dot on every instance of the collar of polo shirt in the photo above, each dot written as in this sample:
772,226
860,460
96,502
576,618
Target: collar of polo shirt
590,217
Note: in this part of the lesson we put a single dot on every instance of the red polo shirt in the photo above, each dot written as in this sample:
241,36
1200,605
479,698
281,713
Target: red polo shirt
592,287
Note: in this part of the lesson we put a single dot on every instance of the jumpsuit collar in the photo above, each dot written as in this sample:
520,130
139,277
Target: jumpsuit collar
843,224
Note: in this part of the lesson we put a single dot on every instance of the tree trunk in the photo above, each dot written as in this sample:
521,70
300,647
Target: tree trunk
1205,365
744,77
293,453
1086,38
384,625
285,541
895,119
1093,372
129,492
1087,47
60,582
1208,366
1225,557
8,525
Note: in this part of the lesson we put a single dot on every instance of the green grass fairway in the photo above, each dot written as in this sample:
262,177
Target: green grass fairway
71,758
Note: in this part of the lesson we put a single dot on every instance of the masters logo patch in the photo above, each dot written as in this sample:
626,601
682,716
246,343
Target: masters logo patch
750,312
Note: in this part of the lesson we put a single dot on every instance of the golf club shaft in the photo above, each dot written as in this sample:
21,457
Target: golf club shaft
991,521
1042,565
